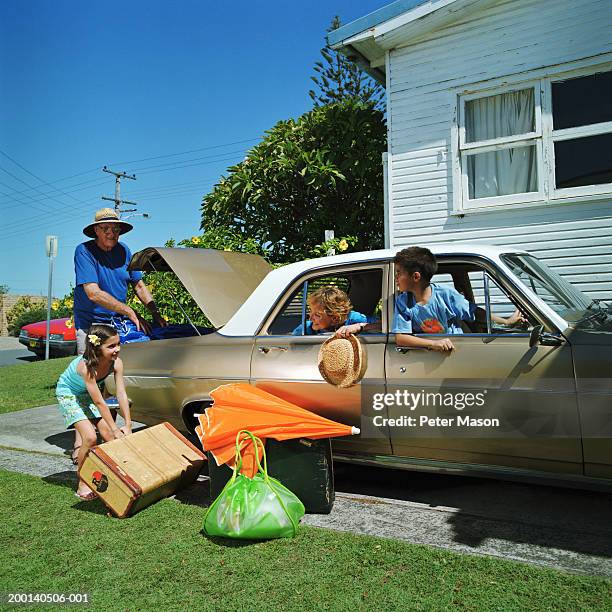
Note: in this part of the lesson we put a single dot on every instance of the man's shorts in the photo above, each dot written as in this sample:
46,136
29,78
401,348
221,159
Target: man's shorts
81,337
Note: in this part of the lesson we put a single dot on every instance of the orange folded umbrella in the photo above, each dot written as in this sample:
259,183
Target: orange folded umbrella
243,406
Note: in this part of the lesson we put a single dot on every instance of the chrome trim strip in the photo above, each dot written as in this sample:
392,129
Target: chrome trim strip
487,301
476,470
146,377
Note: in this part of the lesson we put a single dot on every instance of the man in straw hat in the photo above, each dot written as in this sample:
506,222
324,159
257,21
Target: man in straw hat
102,279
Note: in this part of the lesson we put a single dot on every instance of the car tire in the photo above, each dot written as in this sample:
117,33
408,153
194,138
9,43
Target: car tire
192,409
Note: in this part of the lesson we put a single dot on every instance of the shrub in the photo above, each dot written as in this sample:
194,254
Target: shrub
31,310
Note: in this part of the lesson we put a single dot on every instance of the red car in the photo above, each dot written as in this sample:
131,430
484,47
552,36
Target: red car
62,337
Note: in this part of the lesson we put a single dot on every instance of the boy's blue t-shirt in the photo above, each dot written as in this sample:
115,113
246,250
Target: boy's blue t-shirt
109,271
441,315
353,317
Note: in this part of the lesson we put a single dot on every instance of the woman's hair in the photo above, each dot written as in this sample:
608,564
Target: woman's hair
97,335
334,301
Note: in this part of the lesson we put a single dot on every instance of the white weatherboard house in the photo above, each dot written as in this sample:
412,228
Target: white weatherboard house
500,125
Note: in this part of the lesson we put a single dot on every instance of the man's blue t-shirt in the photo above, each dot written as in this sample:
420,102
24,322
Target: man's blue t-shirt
441,315
353,317
109,271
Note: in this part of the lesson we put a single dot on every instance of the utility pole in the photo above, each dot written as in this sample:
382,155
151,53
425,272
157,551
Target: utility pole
117,199
329,235
51,248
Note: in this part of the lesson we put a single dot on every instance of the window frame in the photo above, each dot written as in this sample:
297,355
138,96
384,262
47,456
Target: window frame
311,275
496,276
544,137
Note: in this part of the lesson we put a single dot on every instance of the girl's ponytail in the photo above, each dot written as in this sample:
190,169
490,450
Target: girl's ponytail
97,335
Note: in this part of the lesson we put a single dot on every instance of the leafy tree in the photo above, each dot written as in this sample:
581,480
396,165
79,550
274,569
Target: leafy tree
168,289
224,239
165,286
338,78
321,171
4,289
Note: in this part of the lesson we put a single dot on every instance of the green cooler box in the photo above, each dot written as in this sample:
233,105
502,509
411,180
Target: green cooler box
304,466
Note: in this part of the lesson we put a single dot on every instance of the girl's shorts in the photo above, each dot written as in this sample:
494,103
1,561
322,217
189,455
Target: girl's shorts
76,408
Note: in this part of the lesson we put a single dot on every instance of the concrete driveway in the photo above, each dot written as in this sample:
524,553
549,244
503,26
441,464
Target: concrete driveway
548,526
11,352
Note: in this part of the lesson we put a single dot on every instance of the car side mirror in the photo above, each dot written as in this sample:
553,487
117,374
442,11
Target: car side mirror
539,336
534,336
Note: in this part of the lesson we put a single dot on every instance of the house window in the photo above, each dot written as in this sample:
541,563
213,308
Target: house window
496,166
582,130
506,135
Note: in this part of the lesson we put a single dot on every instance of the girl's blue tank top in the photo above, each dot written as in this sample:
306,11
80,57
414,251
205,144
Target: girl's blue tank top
72,383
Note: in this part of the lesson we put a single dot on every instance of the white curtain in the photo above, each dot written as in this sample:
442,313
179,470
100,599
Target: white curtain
510,170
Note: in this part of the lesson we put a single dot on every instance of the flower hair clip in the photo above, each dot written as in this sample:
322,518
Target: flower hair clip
93,339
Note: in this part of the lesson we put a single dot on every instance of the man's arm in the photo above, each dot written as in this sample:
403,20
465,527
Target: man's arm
144,295
106,300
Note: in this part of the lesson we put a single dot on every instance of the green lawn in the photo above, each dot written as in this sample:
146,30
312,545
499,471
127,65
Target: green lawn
29,385
158,559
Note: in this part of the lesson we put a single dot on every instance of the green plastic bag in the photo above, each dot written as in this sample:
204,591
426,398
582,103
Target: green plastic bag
253,508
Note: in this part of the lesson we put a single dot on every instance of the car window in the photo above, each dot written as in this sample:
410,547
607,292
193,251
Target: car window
363,288
290,315
565,299
479,288
501,306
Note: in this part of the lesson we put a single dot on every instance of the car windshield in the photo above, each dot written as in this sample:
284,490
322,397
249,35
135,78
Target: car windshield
567,301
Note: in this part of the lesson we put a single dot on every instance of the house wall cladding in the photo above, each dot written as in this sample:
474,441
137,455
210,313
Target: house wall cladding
505,39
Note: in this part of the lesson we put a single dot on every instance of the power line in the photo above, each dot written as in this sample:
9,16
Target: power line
187,166
92,182
227,144
35,188
36,200
96,169
34,175
27,223
32,223
145,170
184,161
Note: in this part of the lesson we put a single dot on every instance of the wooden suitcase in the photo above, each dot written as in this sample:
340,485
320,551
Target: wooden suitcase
133,472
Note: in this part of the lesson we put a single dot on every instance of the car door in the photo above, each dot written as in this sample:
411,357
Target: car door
287,365
492,374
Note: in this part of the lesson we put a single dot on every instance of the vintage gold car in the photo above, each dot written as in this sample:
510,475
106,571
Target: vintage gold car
545,409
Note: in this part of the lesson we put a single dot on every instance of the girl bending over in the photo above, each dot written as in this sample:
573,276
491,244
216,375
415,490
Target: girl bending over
79,394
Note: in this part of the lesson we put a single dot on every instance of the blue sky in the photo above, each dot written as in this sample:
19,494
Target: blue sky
173,92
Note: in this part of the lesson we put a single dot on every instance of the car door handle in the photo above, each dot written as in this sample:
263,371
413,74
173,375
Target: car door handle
404,349
266,349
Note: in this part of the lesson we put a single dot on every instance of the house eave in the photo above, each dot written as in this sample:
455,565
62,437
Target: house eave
370,44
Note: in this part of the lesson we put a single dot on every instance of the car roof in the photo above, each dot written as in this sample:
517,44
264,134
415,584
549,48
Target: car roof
250,315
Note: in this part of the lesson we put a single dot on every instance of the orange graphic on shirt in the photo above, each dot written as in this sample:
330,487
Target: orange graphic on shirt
432,326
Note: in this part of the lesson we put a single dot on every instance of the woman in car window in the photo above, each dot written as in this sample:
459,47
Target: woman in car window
329,309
